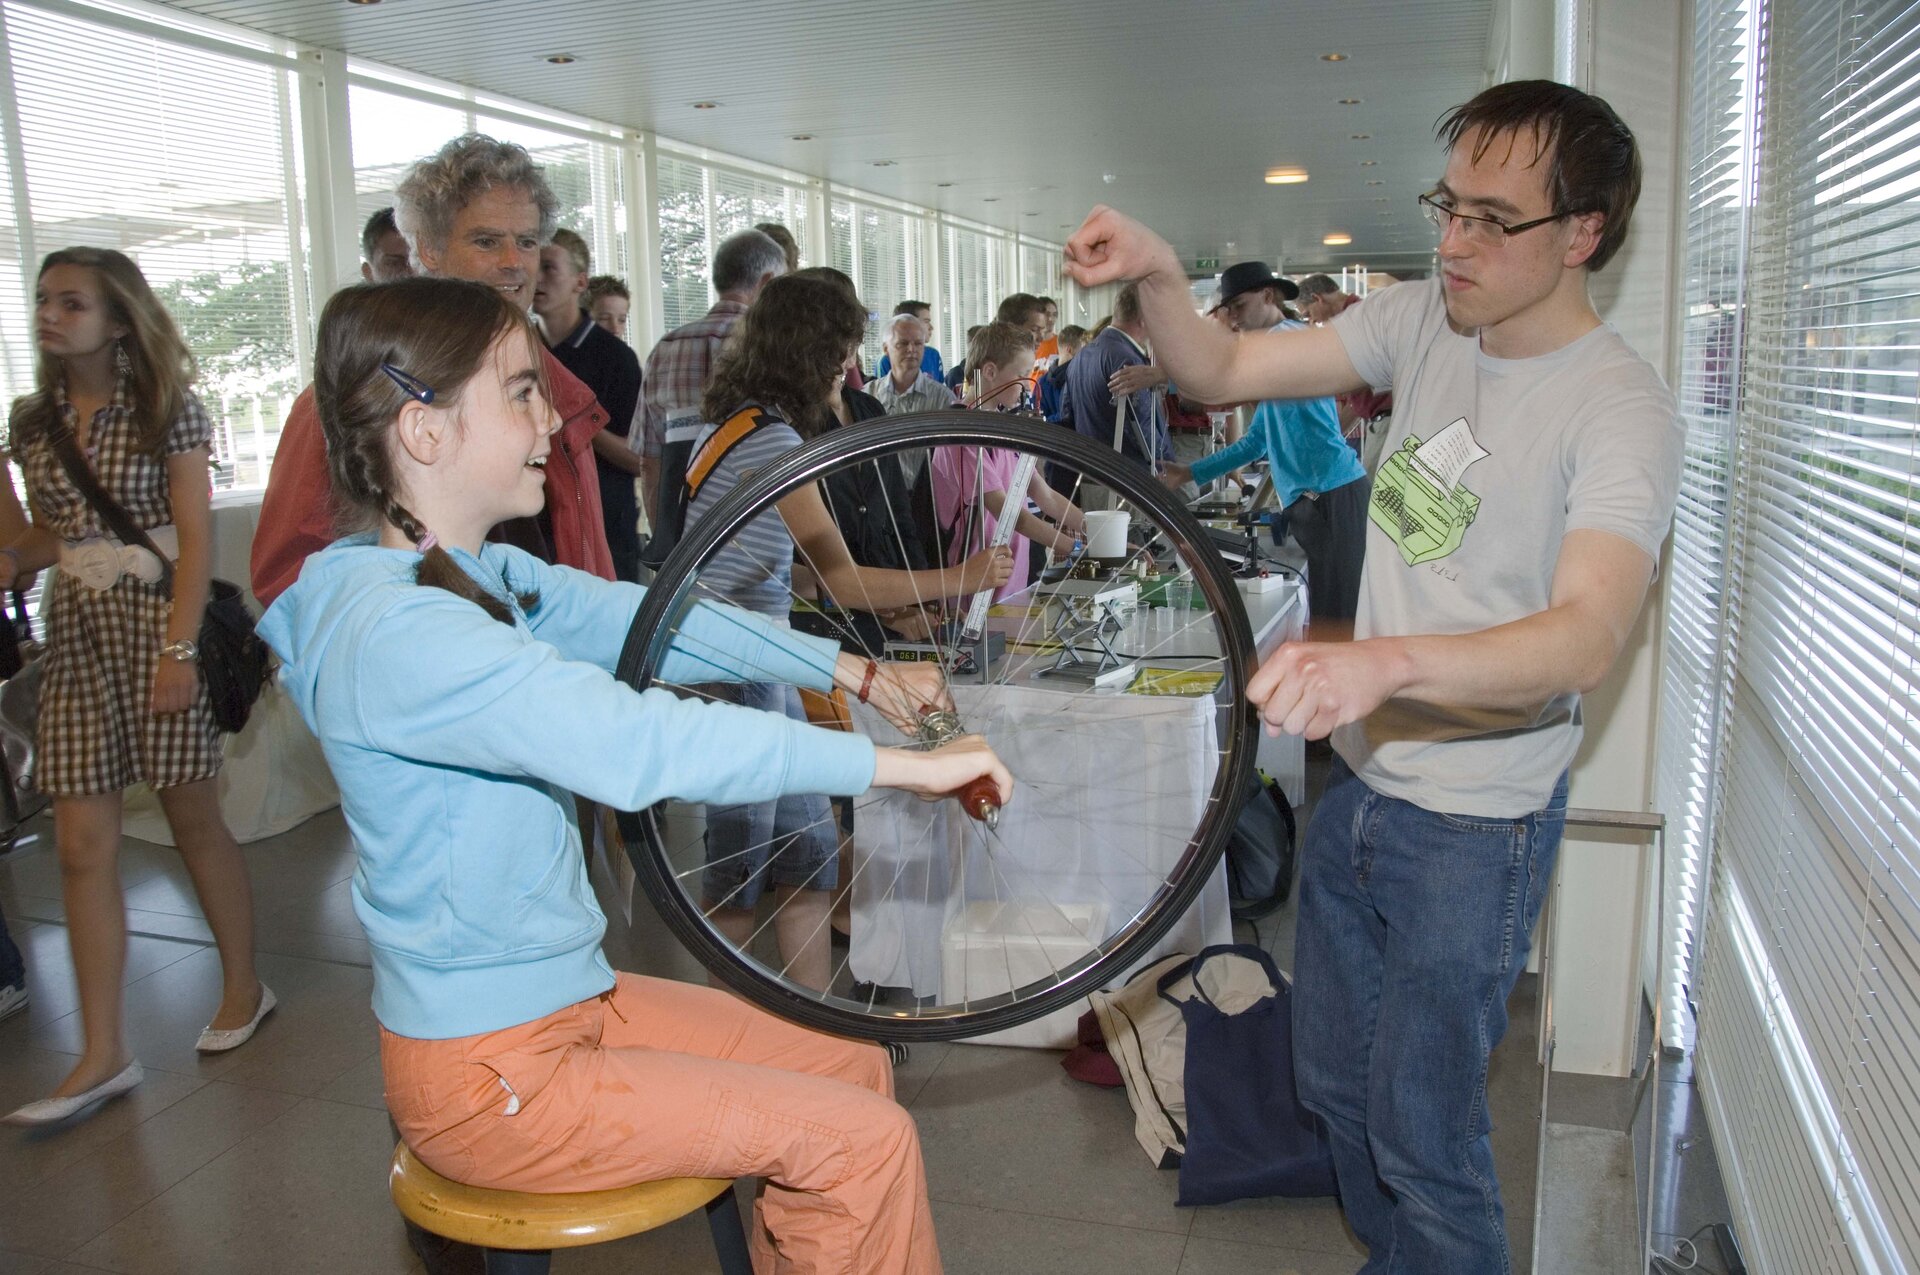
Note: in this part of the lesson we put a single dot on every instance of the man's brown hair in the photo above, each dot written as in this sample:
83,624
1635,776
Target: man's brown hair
998,343
1593,163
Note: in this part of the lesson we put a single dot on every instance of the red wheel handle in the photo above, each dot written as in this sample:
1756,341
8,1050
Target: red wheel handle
981,799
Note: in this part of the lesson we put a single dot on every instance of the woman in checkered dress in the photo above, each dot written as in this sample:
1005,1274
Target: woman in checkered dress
122,701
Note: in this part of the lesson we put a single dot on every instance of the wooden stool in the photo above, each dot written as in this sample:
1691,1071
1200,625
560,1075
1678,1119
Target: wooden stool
519,1229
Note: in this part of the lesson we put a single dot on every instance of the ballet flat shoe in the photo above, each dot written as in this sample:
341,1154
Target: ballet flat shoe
54,1110
219,1042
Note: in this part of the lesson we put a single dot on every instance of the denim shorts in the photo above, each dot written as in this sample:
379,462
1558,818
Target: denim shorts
792,841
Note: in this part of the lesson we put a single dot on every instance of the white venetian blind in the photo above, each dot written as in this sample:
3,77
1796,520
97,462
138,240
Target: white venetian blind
1810,967
1719,202
178,156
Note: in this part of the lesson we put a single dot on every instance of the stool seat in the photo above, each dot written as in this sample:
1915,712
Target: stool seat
538,1220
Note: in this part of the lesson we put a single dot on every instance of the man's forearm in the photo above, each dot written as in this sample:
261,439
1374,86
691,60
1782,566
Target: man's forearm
1522,664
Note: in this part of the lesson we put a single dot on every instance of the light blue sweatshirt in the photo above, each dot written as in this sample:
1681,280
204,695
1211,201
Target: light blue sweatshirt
456,740
1300,439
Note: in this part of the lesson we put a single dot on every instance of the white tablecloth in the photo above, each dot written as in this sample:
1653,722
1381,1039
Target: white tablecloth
1111,787
275,776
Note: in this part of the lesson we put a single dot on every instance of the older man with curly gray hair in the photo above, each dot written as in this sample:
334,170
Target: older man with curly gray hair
477,209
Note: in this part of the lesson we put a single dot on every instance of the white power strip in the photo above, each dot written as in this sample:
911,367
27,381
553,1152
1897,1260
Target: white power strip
1260,584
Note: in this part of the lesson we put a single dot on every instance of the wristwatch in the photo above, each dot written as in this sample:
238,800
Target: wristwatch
184,649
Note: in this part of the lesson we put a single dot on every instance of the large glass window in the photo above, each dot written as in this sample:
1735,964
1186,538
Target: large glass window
176,156
700,205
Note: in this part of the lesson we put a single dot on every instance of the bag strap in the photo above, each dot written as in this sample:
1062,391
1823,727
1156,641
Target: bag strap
718,444
1247,951
67,448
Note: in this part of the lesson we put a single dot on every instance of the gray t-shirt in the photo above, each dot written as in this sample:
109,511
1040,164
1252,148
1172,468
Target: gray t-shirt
1489,463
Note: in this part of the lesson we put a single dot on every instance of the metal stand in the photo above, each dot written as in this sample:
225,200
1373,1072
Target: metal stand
1634,820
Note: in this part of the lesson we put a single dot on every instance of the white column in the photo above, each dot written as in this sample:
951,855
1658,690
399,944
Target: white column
647,316
326,138
1602,933
818,248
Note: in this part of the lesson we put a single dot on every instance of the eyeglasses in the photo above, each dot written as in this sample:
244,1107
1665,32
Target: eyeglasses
1480,230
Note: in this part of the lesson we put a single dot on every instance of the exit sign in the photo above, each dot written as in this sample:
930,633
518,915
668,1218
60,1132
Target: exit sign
1206,263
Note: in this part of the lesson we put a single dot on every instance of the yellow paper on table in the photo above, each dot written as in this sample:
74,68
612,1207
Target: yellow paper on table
1175,681
1026,610
1036,646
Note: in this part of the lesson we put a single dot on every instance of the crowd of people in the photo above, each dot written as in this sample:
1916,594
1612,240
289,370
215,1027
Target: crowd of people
449,549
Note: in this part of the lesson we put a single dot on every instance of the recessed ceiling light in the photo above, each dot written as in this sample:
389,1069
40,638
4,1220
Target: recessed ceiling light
883,163
943,185
1375,181
363,1
1333,57
706,106
990,199
1360,137
1337,240
1380,199
1286,176
562,59
1029,214
801,137
1349,101
1369,163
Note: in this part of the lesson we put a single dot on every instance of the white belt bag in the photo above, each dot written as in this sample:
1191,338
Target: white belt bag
99,561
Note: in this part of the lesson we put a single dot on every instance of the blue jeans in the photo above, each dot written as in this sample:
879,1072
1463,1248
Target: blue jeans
792,841
1414,926
13,970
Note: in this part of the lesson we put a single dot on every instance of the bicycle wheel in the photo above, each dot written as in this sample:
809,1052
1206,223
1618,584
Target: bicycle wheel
1122,718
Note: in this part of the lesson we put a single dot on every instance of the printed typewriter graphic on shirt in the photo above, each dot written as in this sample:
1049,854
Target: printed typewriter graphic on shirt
1417,497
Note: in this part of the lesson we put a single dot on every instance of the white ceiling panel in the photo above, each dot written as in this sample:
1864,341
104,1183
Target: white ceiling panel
1027,107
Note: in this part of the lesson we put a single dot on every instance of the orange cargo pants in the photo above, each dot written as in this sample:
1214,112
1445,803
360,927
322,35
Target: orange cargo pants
657,1079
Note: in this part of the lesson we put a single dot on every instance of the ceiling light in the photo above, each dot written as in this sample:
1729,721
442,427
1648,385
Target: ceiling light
706,106
990,199
1369,163
801,137
1375,181
1333,57
943,185
363,1
1029,214
1360,137
562,59
1349,101
883,163
1337,240
1286,176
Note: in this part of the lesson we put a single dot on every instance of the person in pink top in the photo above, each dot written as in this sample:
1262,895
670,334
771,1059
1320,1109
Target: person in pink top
1000,356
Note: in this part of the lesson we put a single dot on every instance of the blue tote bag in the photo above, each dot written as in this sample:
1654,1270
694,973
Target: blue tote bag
1247,1134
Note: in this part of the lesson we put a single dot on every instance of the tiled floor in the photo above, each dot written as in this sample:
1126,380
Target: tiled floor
273,1158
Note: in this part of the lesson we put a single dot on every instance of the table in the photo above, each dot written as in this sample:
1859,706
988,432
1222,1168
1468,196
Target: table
924,884
274,776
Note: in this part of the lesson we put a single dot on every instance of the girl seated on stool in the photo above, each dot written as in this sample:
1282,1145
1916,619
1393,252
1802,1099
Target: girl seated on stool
461,691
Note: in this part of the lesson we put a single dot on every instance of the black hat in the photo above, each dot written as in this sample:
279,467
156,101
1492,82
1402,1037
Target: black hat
1245,276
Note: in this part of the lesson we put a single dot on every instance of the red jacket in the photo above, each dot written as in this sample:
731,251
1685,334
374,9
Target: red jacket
297,515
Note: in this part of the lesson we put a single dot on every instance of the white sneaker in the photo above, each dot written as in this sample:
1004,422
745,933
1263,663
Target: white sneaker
52,1110
13,999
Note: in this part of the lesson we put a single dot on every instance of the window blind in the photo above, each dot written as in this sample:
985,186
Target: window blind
176,155
1810,960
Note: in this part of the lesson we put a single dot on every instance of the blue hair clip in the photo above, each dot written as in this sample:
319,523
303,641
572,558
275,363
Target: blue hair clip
412,385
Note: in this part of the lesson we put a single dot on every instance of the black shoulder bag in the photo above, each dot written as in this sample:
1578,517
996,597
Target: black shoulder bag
233,659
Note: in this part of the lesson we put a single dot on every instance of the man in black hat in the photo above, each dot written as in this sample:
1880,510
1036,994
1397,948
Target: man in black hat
1316,477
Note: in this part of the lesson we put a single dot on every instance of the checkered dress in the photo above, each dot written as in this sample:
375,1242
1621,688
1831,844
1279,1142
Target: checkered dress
96,733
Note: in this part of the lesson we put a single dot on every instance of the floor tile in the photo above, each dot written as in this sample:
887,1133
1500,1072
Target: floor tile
1316,1225
985,1241
1590,1223
60,1211
361,1084
13,1262
330,911
923,1060
306,1193
1221,1257
29,1156
1007,1128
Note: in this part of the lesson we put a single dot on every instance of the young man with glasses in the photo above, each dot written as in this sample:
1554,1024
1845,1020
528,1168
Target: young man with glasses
1528,484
